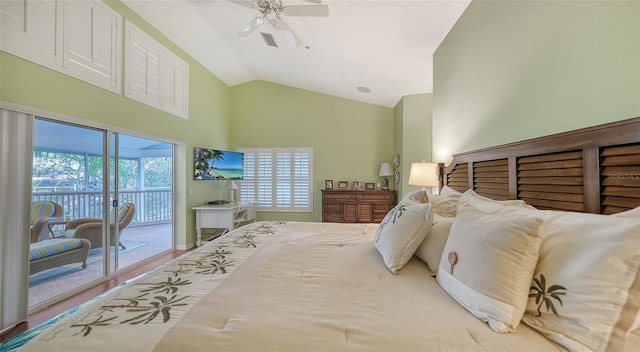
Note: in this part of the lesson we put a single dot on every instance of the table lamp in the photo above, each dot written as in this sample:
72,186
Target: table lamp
385,171
232,185
424,174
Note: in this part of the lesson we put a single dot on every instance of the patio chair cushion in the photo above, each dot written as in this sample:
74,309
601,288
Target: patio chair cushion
42,210
50,247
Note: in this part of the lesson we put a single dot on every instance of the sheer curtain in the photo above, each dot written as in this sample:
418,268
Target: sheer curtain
16,130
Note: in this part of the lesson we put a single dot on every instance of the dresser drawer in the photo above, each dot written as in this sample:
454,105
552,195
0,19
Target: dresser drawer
341,196
383,197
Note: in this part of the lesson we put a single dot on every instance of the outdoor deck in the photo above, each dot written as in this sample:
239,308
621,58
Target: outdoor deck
142,242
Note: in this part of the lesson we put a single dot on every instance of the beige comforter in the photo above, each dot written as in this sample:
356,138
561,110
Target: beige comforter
283,286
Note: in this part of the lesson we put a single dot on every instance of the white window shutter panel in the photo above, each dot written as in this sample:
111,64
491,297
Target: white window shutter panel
29,29
175,73
92,43
142,66
154,75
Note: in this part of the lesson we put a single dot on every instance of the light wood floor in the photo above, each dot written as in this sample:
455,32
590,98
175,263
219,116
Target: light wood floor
39,317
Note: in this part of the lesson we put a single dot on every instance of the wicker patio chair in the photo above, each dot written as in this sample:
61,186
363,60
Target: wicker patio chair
91,228
42,212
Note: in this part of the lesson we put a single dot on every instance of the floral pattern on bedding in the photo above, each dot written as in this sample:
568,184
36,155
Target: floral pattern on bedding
155,297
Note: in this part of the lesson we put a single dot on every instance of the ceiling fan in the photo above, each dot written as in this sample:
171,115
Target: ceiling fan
272,11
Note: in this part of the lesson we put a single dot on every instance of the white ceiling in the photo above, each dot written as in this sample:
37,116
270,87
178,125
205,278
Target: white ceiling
386,46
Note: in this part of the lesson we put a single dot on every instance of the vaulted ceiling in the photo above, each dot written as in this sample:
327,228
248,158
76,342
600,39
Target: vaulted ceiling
383,46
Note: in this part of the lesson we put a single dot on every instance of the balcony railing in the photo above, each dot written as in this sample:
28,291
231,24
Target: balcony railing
152,206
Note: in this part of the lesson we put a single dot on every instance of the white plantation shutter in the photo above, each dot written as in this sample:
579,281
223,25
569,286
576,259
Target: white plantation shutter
81,39
28,29
153,74
142,72
278,179
92,43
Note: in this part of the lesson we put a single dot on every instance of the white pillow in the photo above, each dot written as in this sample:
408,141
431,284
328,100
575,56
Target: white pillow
430,251
420,196
445,205
401,232
446,190
494,258
471,198
634,214
596,259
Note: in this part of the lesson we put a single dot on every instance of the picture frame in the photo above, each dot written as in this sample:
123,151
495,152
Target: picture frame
370,186
358,185
343,184
328,184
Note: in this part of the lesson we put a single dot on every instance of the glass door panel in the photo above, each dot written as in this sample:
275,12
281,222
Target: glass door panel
67,171
144,188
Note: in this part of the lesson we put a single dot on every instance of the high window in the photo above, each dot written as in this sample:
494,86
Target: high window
278,179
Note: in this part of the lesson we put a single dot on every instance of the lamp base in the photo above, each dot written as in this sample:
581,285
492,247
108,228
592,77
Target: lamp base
385,183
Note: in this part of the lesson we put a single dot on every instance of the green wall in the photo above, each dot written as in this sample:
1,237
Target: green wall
349,139
511,70
34,86
413,126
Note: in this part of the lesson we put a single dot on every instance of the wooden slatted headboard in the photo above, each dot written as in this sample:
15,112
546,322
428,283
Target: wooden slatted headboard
594,169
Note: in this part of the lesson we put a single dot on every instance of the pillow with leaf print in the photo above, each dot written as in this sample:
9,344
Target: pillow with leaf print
586,292
586,289
402,231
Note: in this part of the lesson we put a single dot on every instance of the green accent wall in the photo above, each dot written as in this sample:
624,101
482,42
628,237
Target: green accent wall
412,131
512,70
349,139
37,87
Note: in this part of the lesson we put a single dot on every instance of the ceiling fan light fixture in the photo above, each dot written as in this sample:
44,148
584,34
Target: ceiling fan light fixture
363,89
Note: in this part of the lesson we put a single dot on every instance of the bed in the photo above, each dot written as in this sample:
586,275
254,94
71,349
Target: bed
412,283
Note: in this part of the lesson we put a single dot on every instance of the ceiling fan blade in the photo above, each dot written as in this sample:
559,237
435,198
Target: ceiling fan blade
307,10
245,3
291,36
251,27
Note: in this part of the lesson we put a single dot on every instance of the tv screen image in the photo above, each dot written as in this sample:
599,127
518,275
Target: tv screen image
214,164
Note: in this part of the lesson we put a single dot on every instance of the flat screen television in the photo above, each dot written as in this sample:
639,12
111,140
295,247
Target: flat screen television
215,164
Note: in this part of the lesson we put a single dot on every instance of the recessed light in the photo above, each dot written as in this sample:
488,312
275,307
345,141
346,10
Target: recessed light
363,90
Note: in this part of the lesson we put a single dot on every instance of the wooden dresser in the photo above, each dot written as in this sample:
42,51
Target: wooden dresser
356,206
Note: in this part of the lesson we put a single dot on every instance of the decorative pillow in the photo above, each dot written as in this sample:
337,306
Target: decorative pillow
587,289
488,263
401,232
589,297
430,251
445,205
635,214
420,196
446,190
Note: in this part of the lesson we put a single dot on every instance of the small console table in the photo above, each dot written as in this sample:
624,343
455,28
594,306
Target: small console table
223,216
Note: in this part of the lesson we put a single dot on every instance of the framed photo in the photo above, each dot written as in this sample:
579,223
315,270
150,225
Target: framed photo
370,186
328,184
359,185
343,184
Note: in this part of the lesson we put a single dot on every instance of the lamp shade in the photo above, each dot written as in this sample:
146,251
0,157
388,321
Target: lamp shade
423,174
385,170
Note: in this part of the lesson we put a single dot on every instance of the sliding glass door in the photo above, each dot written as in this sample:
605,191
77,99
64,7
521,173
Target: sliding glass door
126,216
68,168
142,186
